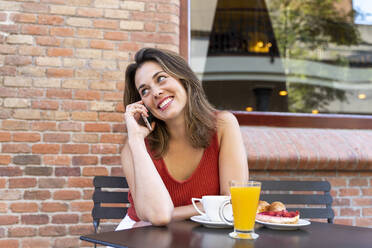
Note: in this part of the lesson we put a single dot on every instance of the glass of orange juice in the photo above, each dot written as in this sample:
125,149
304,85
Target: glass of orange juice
244,200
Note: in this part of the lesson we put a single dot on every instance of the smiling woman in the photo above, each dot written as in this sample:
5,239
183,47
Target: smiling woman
192,150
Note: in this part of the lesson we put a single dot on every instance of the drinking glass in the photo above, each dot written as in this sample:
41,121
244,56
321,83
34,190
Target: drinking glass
244,200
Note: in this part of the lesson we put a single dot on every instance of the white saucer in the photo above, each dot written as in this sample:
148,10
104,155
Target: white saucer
211,224
301,223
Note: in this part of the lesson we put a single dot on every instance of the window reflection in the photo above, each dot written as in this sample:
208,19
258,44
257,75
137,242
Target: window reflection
284,55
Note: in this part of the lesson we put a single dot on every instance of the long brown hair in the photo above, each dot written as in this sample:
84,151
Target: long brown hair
199,115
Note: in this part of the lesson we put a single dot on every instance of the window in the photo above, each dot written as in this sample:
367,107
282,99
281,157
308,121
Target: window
284,56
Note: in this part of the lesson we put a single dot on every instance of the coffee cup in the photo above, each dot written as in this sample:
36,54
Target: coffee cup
211,205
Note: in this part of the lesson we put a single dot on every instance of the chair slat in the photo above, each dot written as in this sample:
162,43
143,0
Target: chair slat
307,213
297,198
296,185
110,182
110,197
108,213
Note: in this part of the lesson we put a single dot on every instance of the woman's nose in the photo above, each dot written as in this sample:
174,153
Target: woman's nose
158,92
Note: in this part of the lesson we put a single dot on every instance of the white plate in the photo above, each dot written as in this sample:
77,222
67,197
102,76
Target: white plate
207,223
301,223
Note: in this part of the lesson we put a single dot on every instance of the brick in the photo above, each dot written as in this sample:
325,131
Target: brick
55,115
366,222
81,229
22,183
133,5
59,93
38,171
117,14
66,195
6,49
5,159
8,92
14,125
34,30
102,106
75,84
30,93
35,7
358,182
85,138
48,82
367,191
87,73
67,172
74,105
65,219
87,95
22,232
62,10
81,206
97,127
53,20
104,149
22,207
27,160
52,231
9,243
26,137
8,28
111,117
88,33
56,137
136,25
31,50
44,126
116,35
48,61
60,52
111,160
15,148
36,242
106,24
54,207
51,183
45,148
117,171
17,60
113,138
37,195
367,211
27,114
8,220
54,72
77,182
108,4
10,171
38,219
88,53
70,126
79,22
349,192
89,12
150,27
48,41
113,75
23,18
20,39
75,148
103,85
5,137
32,71
61,31
102,44
8,70
45,105
78,43
84,160
95,171
65,242
362,202
84,116
18,81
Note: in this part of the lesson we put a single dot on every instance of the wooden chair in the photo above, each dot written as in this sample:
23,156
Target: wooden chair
310,205
110,198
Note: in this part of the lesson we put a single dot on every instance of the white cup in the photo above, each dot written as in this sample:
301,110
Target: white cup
211,205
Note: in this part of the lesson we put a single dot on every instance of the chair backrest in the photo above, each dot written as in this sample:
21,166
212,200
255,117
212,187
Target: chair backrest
105,195
312,199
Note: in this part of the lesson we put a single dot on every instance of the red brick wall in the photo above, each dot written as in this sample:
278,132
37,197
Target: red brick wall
62,66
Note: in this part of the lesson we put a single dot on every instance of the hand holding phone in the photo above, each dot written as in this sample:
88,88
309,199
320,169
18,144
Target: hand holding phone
147,120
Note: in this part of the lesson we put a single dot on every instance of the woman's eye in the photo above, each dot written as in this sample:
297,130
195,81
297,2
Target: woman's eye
144,92
161,78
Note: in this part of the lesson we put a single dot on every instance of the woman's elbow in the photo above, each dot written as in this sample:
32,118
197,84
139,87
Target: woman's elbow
161,217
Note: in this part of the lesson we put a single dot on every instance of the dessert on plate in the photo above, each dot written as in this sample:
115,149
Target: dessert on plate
276,212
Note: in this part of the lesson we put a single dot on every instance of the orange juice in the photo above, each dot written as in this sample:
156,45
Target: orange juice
244,203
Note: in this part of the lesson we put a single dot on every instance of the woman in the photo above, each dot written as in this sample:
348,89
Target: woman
192,149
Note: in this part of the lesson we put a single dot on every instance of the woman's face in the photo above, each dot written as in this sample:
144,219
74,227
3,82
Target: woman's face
162,94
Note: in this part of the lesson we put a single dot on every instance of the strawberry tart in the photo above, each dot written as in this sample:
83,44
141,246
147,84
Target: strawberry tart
278,217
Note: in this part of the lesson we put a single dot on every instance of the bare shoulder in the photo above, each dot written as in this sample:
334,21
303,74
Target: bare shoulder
226,119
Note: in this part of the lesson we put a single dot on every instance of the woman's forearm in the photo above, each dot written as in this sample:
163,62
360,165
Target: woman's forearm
151,197
185,212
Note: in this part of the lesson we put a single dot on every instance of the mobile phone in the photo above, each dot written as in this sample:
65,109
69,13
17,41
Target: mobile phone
148,120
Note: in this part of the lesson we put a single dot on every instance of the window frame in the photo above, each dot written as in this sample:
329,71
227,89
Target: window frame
299,120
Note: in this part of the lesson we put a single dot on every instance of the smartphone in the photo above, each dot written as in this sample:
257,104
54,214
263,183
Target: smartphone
148,120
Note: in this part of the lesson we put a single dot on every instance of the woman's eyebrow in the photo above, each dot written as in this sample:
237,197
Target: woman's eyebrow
153,76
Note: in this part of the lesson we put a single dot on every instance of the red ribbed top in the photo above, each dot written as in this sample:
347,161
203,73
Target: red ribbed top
203,181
